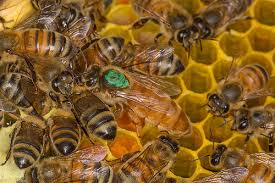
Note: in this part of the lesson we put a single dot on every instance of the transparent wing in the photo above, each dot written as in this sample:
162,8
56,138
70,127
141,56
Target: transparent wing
233,175
80,30
43,18
265,158
168,87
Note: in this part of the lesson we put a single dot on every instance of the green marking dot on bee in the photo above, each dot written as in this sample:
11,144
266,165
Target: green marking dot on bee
116,79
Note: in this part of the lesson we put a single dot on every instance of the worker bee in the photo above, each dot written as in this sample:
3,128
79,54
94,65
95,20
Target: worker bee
84,165
172,18
27,142
144,98
153,59
54,79
212,20
260,165
245,83
256,121
37,43
151,164
18,90
64,133
95,116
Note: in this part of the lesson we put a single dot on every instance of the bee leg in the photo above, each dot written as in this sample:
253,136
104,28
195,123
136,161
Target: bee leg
9,152
141,22
157,38
270,142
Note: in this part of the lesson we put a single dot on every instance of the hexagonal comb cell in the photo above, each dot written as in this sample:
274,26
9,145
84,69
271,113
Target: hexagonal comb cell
185,164
264,12
123,144
197,78
240,142
149,133
193,142
122,15
205,53
216,130
241,26
193,105
221,69
233,45
261,39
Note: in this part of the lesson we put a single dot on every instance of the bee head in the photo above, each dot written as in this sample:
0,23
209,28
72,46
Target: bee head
241,120
202,27
63,83
215,158
217,105
170,142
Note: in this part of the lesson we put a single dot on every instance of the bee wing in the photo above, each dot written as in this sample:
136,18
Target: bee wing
80,30
265,158
160,84
233,175
6,106
44,17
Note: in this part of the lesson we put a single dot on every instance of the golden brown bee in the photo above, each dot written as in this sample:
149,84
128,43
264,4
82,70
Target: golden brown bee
27,142
172,18
95,116
84,165
212,20
245,83
153,59
256,121
54,79
64,133
260,165
37,43
232,175
145,100
151,164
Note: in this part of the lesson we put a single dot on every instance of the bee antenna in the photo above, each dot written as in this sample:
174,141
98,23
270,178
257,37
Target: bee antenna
201,157
212,139
200,44
230,69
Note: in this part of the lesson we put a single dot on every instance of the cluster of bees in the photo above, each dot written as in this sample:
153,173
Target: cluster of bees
56,59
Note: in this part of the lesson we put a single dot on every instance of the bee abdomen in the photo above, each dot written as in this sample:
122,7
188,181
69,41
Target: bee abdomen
103,125
25,152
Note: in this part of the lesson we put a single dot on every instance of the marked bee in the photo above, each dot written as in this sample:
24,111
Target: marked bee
212,20
54,79
240,85
172,18
145,100
260,165
256,121
149,165
37,43
84,165
27,142
64,133
95,117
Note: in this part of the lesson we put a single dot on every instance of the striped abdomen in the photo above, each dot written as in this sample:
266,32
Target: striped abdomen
109,48
96,117
137,171
44,43
27,145
253,78
65,135
90,172
160,66
10,87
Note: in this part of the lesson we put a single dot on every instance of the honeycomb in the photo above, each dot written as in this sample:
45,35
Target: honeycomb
247,41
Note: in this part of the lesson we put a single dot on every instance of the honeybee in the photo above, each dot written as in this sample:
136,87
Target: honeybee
212,20
84,165
64,133
37,43
18,91
256,121
145,100
27,142
172,18
95,116
260,165
54,79
232,175
151,164
153,59
245,83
